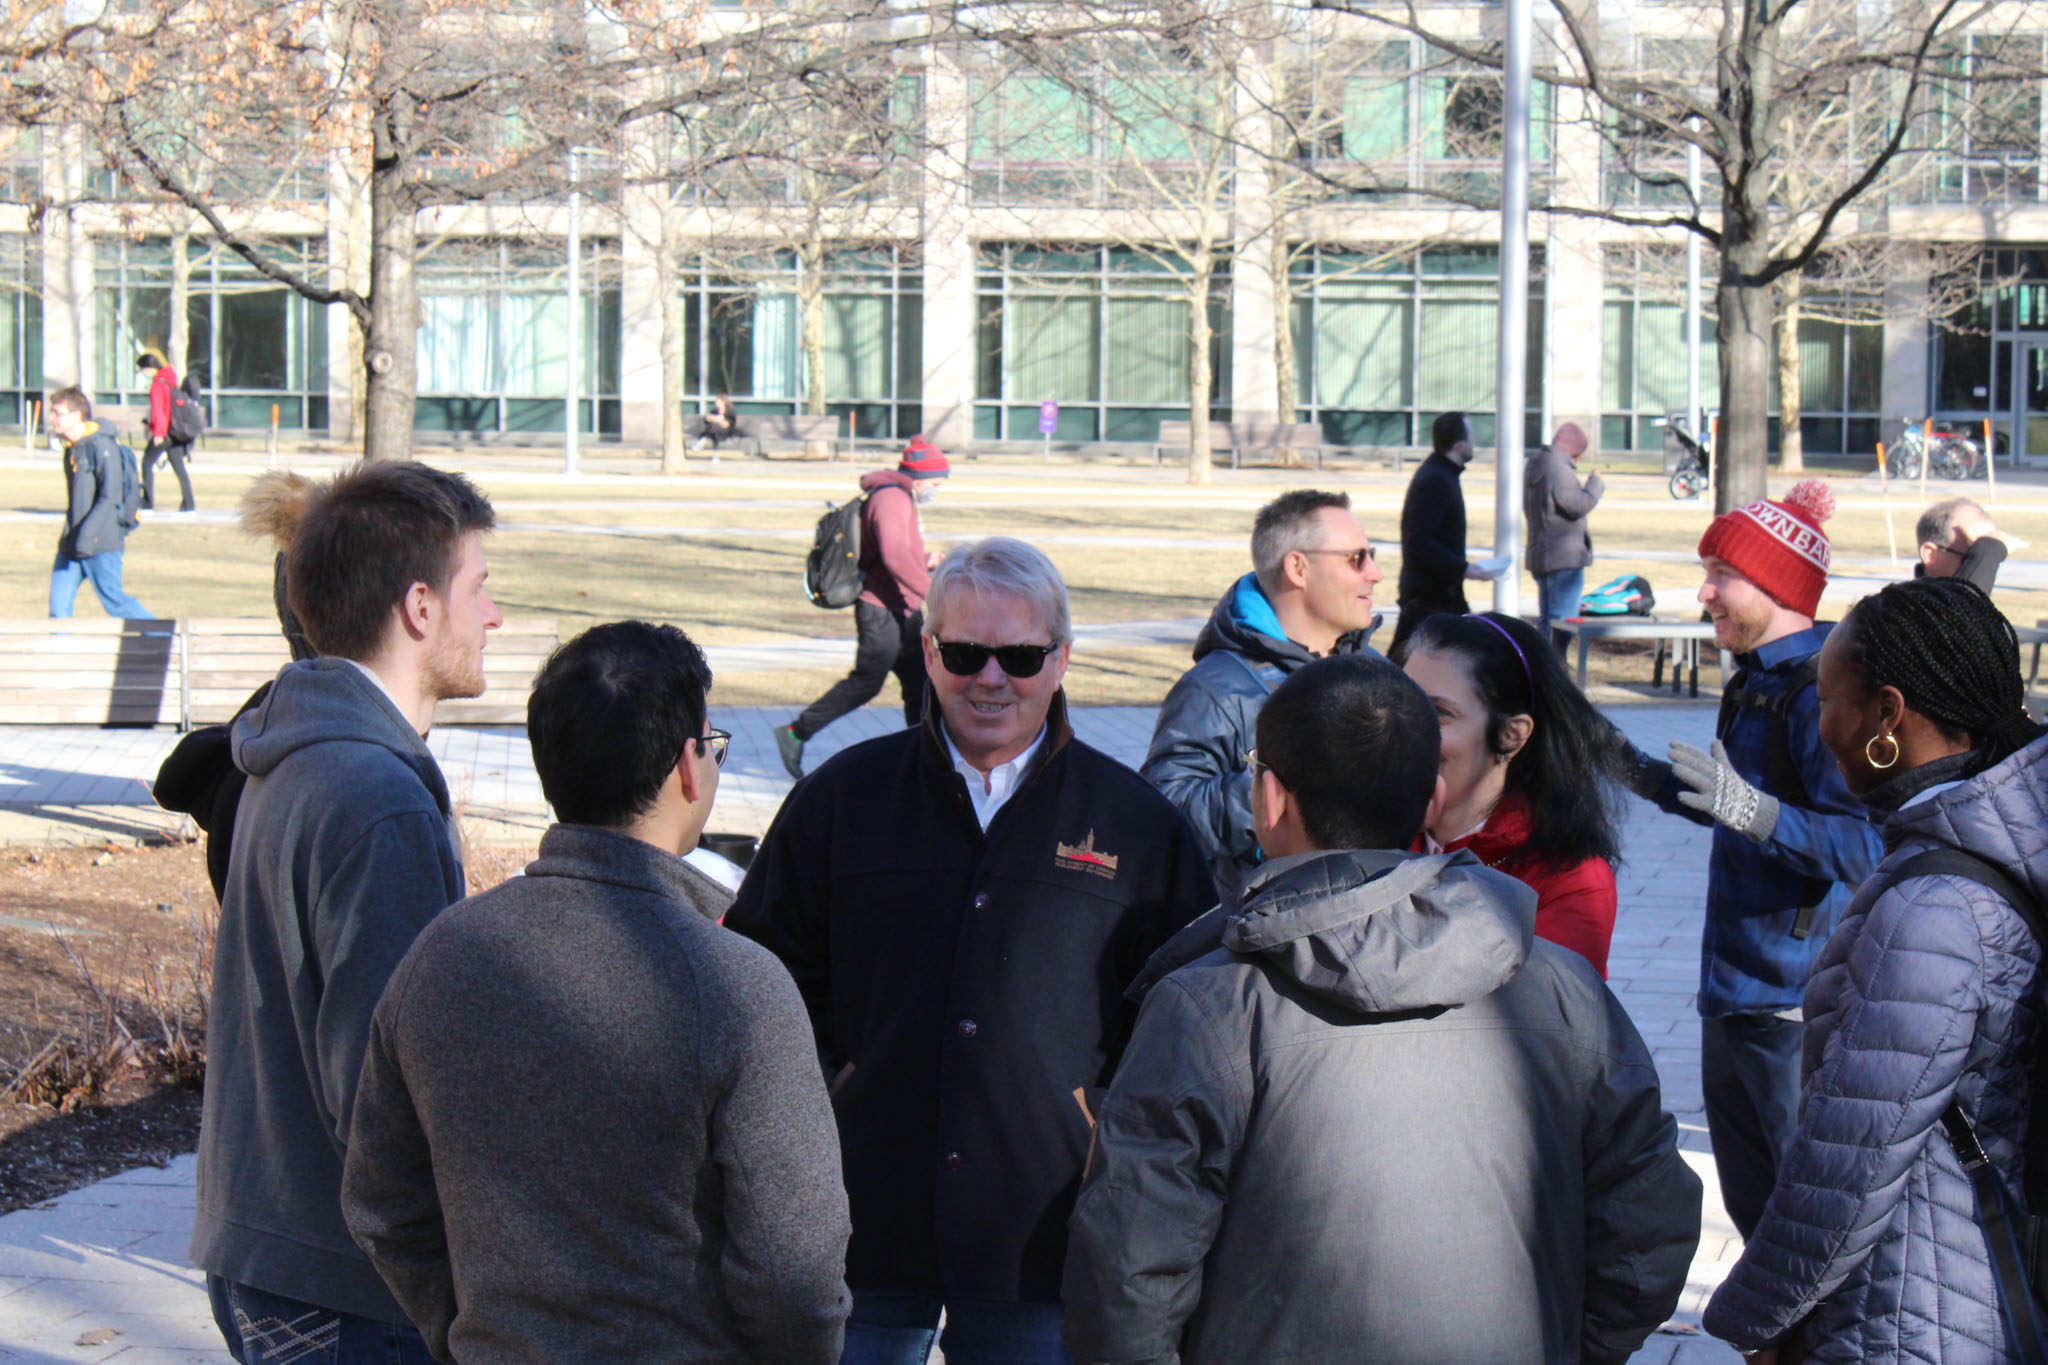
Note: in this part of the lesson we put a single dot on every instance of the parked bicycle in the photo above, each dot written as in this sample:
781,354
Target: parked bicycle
1947,454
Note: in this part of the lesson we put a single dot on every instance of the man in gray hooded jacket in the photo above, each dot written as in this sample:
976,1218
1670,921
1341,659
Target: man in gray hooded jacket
1381,1119
345,846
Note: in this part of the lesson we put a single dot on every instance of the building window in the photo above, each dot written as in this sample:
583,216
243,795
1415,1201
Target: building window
1101,330
254,344
1385,339
21,327
1988,111
1643,346
743,336
1642,160
1973,357
494,338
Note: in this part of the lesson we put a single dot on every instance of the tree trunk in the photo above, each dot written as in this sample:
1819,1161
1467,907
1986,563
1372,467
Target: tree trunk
667,284
810,287
1203,262
1284,357
180,338
1746,81
1741,446
391,357
1791,402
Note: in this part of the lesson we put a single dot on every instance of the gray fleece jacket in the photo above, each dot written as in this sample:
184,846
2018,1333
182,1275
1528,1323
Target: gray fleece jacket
1380,1121
592,1127
344,848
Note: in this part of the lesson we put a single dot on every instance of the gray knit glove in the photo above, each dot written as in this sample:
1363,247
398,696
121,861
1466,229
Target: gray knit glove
1718,790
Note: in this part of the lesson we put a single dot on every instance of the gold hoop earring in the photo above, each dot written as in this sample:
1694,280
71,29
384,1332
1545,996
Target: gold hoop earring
1871,758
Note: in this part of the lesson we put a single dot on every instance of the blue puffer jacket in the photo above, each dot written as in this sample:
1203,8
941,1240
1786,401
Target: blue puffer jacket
1871,1243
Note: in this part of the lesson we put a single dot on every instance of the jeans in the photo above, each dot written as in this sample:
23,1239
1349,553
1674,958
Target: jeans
884,643
1749,1076
177,455
104,571
1558,594
895,1327
262,1328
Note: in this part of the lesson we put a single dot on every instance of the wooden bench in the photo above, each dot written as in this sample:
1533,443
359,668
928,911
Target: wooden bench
1257,437
89,672
1679,639
1181,436
798,429
227,658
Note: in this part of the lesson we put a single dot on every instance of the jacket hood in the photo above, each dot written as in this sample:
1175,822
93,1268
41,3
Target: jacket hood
1373,932
1244,622
321,700
884,478
2001,814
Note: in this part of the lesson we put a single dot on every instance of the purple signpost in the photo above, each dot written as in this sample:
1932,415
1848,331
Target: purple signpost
1048,423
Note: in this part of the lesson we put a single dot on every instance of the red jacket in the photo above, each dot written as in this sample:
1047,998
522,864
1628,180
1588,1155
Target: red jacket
1575,905
892,543
161,389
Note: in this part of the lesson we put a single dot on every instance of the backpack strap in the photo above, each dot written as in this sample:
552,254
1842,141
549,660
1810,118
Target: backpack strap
1781,770
2009,1260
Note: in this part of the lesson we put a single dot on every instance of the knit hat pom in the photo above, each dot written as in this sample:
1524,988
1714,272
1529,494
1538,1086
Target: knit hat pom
1813,497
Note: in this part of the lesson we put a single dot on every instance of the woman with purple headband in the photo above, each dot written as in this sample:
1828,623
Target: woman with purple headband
1525,762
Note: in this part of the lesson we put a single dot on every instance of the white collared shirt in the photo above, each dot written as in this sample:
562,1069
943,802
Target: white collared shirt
988,791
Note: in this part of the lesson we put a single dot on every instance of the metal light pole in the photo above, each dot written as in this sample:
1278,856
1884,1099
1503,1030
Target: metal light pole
1513,382
573,422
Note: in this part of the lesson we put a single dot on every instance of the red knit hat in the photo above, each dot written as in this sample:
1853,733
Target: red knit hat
923,460
1778,546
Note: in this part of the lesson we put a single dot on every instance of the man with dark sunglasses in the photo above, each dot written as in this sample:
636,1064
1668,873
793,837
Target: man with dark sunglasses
1309,594
962,906
590,1124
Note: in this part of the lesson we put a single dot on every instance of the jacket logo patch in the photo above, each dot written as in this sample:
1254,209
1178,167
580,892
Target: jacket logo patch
1083,857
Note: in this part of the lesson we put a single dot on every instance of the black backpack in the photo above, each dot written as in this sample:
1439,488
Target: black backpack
127,471
188,418
2018,1245
832,573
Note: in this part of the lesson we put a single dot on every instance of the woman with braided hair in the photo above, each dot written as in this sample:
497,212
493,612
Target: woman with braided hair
1919,1021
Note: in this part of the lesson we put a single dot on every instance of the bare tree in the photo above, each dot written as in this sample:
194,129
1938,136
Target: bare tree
1765,75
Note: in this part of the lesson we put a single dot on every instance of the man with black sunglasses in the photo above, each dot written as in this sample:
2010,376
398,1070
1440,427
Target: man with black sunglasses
702,1215
1309,594
962,906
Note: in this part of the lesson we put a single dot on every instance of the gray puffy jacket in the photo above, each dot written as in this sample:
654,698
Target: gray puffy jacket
1871,1238
1558,506
1381,1121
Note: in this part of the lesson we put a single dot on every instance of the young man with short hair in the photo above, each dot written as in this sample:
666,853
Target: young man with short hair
1434,569
703,1217
345,847
962,905
1367,1114
1309,594
94,537
1790,841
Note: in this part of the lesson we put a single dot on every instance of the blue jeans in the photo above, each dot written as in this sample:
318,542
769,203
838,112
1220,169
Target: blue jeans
895,1327
104,571
1558,594
1749,1076
262,1328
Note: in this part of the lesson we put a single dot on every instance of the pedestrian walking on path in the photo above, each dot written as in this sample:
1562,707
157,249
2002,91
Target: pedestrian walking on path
1920,1032
97,512
888,617
1434,569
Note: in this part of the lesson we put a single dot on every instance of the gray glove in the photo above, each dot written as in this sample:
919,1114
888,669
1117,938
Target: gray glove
1718,790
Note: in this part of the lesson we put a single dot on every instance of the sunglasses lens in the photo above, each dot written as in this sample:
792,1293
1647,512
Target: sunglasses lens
962,658
1021,661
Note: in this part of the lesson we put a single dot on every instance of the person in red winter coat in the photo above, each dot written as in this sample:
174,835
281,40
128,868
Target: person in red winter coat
1525,768
163,392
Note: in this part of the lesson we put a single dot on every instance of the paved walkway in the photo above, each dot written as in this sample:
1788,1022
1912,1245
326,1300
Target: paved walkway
101,1273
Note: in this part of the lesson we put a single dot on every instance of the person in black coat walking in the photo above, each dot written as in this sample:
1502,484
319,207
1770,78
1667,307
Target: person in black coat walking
1433,563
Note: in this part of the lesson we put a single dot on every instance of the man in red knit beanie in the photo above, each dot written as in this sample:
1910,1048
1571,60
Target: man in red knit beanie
1790,842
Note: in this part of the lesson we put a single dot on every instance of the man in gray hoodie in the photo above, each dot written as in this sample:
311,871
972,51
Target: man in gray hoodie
701,1217
345,846
1366,1114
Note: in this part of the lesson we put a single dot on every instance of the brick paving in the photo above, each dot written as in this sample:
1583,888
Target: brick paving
111,1256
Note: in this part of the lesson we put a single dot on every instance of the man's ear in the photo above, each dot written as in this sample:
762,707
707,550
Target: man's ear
420,608
686,772
1928,551
1436,803
1270,800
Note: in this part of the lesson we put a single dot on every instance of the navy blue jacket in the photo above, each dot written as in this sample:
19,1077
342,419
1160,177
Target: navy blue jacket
1871,1238
967,988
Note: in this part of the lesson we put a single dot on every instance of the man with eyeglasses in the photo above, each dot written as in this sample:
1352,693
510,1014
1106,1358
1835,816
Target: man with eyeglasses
591,1124
1309,594
962,906
1958,540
